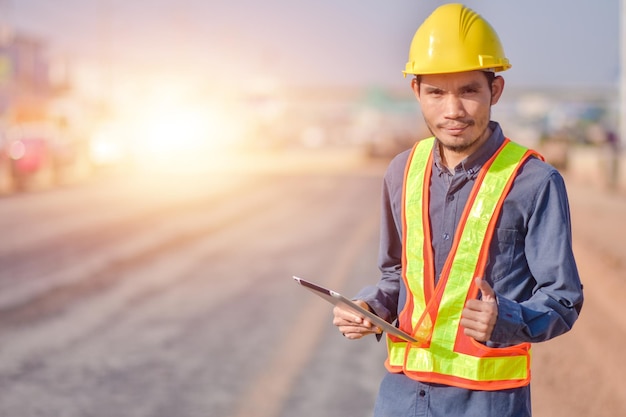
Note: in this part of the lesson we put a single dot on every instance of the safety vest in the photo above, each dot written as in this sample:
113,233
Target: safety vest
432,313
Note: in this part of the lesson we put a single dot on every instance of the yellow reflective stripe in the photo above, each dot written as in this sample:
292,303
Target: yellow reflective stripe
396,351
471,241
414,241
468,367
458,364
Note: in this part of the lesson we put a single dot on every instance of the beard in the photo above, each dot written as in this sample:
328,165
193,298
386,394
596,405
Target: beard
460,147
457,147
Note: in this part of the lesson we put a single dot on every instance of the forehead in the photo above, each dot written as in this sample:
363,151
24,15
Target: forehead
454,80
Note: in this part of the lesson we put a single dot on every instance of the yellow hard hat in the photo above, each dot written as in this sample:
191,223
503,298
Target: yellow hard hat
454,38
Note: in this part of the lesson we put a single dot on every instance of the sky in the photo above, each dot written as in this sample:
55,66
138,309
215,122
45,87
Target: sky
551,43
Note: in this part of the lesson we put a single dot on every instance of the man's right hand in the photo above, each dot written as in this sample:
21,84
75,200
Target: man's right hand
352,325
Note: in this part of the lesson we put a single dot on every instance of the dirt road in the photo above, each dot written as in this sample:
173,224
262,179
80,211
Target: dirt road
581,373
163,296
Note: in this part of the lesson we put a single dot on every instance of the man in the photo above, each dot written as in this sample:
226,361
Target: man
476,249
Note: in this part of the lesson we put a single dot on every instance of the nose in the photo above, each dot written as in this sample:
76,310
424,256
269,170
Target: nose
453,107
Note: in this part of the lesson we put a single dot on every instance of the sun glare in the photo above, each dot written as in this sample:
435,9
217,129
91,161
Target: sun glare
171,126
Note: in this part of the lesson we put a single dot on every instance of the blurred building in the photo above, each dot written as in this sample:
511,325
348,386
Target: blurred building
25,85
36,140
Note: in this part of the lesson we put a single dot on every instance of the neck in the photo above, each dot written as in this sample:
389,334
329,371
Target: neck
451,157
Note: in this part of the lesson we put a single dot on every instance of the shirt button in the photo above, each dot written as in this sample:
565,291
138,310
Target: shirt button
450,198
422,393
446,236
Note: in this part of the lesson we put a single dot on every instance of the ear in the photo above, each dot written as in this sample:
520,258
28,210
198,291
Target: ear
415,86
497,87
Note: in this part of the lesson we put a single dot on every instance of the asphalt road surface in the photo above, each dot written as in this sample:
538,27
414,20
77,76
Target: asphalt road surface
171,295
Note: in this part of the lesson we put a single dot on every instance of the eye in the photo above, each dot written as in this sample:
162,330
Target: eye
435,92
469,90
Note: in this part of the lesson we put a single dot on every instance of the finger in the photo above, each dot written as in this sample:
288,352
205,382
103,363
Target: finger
488,294
362,324
348,326
346,315
476,335
357,329
362,319
354,332
352,336
480,311
473,309
476,328
476,324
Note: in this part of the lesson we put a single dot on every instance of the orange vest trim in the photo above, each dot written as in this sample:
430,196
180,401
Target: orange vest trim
432,313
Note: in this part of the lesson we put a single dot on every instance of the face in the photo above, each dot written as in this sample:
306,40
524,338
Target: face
457,108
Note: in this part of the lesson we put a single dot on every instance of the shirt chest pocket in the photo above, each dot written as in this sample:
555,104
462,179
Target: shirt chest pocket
507,247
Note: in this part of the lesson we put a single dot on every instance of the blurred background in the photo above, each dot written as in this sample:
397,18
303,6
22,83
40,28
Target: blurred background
105,82
167,166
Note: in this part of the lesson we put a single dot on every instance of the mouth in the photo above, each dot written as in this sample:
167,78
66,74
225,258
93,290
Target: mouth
455,129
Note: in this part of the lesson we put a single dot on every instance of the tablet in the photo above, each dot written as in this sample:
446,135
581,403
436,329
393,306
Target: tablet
337,299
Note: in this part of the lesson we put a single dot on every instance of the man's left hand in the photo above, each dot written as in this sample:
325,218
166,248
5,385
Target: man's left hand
479,316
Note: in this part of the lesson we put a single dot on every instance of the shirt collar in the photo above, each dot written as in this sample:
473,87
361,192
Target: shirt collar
472,164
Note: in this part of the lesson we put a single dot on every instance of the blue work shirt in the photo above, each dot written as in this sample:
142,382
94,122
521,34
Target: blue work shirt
531,265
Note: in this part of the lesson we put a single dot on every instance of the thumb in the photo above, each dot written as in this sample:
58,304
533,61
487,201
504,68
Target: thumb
488,294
